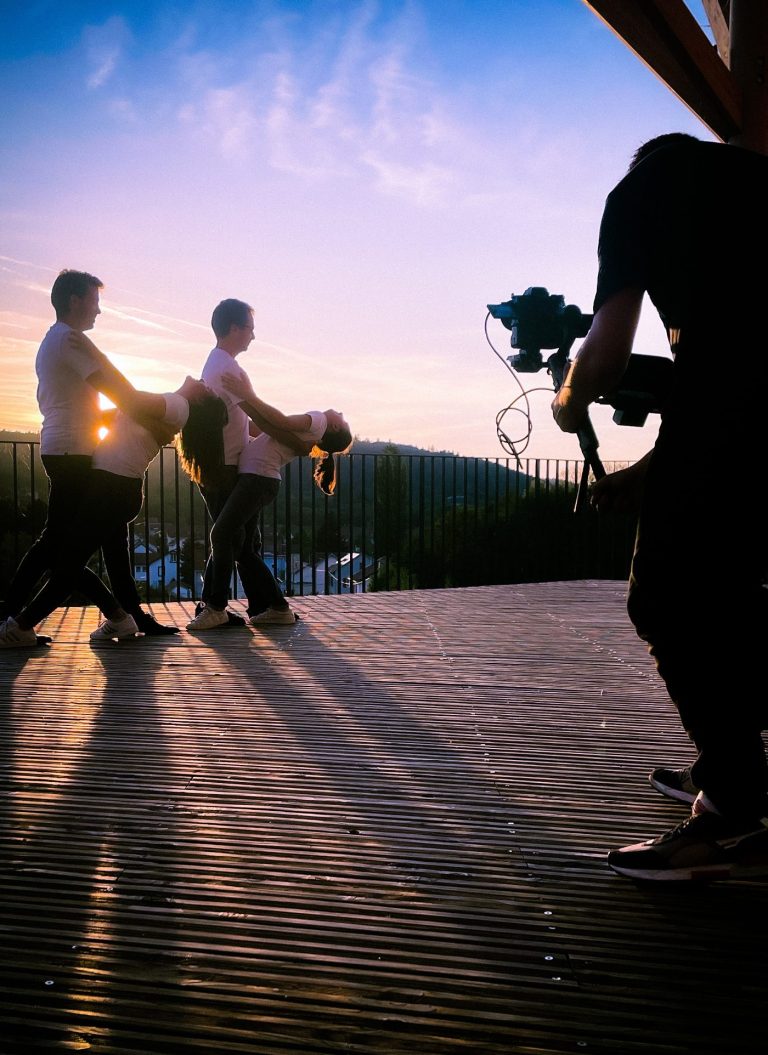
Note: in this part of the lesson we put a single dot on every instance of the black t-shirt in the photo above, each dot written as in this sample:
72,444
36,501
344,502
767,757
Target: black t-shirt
689,225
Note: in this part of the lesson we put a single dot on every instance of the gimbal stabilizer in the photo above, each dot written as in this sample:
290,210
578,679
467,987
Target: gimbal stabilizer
537,320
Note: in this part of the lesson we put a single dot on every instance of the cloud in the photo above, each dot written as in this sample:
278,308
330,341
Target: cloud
137,319
124,110
104,47
25,265
18,320
425,184
347,99
230,120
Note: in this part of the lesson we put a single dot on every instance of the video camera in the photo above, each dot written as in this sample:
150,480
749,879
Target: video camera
538,319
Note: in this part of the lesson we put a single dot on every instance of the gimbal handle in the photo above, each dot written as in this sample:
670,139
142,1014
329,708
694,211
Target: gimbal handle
585,434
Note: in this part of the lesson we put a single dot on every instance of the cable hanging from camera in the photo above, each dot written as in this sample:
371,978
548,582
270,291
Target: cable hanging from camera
514,447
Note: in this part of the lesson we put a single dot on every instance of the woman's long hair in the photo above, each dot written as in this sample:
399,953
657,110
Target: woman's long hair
201,442
337,441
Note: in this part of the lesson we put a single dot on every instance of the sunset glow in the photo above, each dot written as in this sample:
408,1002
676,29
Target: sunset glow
367,175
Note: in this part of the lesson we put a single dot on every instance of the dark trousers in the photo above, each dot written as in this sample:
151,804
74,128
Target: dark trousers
69,500
234,507
696,596
110,504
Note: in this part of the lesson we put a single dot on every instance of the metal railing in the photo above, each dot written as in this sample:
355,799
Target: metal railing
396,521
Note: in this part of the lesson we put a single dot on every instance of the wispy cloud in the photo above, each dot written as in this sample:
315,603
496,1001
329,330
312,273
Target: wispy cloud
136,319
353,104
104,46
225,118
18,320
425,184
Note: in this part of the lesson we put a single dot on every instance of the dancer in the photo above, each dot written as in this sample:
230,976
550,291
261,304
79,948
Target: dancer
320,434
71,373
232,324
113,499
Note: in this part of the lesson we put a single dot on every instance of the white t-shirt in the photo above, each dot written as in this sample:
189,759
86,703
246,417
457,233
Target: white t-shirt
217,364
264,456
69,405
128,447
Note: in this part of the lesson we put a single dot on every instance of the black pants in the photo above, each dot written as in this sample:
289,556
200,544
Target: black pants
70,499
237,531
235,542
111,503
696,596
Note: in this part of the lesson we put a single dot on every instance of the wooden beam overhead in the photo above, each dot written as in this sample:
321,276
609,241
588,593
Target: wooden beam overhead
666,37
718,13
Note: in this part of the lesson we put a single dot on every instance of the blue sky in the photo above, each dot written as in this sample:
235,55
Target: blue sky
367,175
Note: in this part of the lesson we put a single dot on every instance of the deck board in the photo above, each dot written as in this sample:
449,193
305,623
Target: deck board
382,830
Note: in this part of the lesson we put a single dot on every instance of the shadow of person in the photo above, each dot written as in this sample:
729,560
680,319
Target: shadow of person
366,838
93,870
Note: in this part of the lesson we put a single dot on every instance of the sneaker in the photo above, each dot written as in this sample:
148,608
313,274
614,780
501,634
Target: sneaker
706,846
111,629
703,804
674,783
208,619
12,636
232,619
148,625
274,617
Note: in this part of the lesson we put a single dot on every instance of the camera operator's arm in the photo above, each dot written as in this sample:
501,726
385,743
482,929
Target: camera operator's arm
622,491
602,358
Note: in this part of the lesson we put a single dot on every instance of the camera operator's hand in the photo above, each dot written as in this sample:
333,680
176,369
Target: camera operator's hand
622,491
602,358
569,413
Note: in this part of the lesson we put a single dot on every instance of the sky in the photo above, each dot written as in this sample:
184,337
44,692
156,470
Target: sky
369,176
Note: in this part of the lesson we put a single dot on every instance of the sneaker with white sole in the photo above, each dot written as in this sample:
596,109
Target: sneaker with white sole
12,636
208,619
115,629
706,846
232,618
274,617
674,783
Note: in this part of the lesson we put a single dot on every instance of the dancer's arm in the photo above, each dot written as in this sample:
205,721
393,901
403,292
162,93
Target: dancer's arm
146,408
285,428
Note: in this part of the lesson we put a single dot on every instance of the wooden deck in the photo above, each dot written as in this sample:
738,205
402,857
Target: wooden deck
380,831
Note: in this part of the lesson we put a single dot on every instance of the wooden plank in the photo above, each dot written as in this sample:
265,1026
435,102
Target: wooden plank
717,13
382,830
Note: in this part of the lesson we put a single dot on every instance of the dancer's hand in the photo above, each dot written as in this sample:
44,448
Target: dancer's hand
238,386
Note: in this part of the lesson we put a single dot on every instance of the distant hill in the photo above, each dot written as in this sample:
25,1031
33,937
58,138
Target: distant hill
378,447
18,437
360,446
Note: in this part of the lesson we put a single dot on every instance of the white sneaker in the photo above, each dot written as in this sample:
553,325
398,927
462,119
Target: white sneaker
12,636
274,617
208,619
115,629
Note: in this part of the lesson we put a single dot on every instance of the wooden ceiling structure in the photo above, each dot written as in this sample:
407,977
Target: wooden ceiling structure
723,83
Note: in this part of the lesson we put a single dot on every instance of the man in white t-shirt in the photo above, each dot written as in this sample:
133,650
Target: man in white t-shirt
116,494
70,377
232,323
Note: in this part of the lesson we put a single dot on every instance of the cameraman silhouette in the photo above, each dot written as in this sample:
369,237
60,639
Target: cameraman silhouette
696,593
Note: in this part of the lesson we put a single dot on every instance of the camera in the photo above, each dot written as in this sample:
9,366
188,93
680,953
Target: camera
538,319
